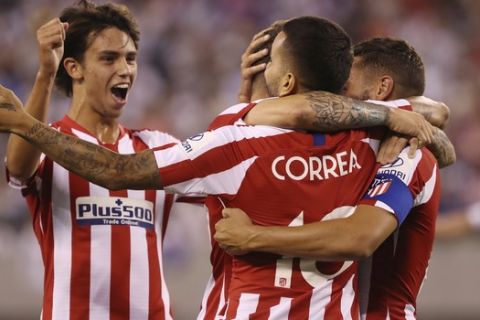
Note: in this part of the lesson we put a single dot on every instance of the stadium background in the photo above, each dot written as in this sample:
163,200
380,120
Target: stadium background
189,71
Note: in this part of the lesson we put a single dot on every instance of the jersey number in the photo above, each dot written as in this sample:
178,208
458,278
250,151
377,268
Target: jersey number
284,268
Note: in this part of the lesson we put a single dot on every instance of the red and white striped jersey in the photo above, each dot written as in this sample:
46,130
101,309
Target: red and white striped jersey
391,279
102,250
279,177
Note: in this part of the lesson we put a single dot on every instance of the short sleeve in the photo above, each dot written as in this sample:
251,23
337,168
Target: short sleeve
390,190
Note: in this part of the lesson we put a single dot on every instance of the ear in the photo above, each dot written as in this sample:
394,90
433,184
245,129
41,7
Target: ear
288,85
384,88
73,68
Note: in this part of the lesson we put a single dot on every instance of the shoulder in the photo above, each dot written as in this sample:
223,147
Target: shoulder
231,115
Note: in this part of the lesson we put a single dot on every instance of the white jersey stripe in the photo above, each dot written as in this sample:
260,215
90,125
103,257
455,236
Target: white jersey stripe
155,139
415,161
139,284
280,311
234,109
62,253
84,136
247,305
225,182
426,194
283,273
240,106
222,302
348,295
383,205
170,155
409,312
320,298
373,143
392,103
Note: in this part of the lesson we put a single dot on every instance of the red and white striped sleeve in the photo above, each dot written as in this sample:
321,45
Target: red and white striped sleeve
403,184
213,162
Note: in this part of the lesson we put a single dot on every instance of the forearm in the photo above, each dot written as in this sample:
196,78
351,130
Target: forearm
94,163
442,149
318,111
326,112
23,157
332,240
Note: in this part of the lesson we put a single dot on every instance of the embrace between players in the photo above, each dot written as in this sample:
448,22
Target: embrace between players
295,157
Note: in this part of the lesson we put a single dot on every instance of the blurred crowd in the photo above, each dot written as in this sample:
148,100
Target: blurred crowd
189,68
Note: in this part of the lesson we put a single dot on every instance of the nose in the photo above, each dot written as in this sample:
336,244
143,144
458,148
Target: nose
124,68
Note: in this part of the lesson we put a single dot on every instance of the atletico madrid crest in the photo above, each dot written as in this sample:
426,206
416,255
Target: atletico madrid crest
379,187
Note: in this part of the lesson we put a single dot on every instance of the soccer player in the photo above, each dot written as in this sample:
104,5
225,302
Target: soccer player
262,169
383,69
104,268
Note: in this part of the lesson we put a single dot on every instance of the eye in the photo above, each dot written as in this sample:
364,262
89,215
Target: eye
131,59
108,59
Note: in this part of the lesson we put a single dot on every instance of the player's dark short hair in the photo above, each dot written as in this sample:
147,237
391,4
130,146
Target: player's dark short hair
86,20
321,52
398,59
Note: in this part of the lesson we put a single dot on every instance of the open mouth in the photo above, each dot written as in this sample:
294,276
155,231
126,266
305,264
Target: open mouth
120,91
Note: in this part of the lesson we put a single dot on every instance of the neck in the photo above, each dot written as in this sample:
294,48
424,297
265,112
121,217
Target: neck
105,129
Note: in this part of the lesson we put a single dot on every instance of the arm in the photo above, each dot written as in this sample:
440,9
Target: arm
95,163
441,147
22,157
324,112
333,240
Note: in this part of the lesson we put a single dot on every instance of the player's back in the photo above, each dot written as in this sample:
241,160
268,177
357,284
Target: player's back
296,179
283,177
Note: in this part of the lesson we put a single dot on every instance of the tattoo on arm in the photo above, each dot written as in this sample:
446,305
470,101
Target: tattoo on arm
332,112
95,163
442,149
